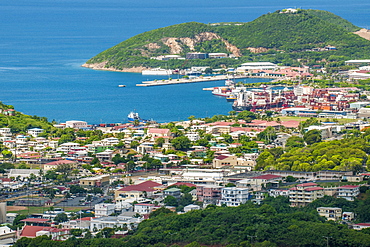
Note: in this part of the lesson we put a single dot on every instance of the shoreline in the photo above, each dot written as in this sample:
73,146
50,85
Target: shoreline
101,66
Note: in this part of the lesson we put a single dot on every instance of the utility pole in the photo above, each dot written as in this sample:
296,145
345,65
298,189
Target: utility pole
327,240
251,238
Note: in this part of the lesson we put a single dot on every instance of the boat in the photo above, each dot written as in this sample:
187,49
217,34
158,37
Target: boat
157,71
121,85
231,98
253,100
221,91
133,116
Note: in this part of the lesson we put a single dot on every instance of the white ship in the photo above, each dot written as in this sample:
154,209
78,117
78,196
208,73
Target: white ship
157,71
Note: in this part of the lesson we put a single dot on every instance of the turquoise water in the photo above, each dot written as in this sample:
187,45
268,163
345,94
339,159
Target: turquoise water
43,43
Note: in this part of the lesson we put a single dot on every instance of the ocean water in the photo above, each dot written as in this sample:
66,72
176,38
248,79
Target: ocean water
44,42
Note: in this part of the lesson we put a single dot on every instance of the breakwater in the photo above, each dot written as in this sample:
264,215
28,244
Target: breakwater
189,80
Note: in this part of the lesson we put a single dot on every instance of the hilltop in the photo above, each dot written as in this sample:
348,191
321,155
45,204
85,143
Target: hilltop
280,37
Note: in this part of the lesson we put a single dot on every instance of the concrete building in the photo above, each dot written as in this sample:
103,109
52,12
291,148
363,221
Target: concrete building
114,221
209,194
305,193
233,196
224,160
348,192
245,67
143,208
104,209
75,124
96,181
191,207
330,213
196,55
35,132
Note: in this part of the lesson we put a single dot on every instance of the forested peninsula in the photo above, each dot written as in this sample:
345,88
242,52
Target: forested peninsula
283,37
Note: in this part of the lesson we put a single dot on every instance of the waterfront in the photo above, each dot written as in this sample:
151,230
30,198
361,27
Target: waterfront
44,43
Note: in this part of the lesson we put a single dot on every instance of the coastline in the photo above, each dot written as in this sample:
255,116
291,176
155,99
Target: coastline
101,66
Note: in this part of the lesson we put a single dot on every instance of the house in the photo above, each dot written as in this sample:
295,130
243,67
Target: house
233,196
305,193
106,155
348,192
104,209
330,213
175,192
191,207
35,132
144,208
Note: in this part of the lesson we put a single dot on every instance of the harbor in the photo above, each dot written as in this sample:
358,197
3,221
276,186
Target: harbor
189,80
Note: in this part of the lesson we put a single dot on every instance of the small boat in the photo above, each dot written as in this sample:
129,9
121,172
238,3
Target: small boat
121,85
231,98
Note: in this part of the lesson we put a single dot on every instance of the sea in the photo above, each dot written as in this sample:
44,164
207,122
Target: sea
43,44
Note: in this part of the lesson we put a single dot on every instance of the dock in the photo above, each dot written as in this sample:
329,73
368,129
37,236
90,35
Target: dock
190,80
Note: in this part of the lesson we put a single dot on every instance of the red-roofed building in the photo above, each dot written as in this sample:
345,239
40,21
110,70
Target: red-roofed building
183,183
360,226
138,190
348,192
305,193
55,164
224,160
35,231
155,132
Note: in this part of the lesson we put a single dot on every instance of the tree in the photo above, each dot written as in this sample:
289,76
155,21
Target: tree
76,232
181,143
170,201
312,136
159,141
134,144
294,142
61,218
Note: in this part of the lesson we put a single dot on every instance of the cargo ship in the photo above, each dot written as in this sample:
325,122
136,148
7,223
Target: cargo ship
259,99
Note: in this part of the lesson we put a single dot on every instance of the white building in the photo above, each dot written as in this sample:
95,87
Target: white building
104,209
193,136
191,207
143,208
233,196
76,124
114,221
35,132
256,66
330,213
348,192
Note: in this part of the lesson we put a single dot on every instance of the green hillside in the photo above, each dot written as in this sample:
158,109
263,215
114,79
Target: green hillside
19,122
281,38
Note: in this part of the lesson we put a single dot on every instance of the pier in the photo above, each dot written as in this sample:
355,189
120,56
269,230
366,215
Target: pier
189,80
